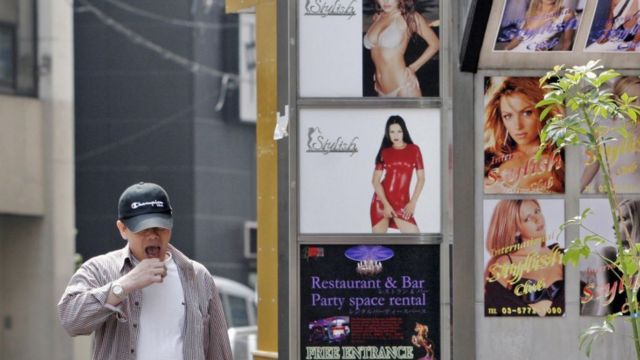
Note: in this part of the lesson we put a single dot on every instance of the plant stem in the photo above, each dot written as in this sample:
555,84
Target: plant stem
631,298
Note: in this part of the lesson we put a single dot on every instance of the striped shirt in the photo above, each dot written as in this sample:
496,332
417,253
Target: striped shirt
83,309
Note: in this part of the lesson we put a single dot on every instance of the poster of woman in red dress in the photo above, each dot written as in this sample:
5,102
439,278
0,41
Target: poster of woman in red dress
398,157
364,171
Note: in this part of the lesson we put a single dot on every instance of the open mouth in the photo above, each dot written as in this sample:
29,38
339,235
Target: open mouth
152,251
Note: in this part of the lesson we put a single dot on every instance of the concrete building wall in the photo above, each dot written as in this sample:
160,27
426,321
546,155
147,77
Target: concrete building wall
37,225
21,152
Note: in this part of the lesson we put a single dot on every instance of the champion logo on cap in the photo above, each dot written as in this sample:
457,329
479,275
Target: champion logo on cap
154,203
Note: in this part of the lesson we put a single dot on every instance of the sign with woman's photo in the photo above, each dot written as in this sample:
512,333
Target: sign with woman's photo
602,292
370,302
381,48
523,275
512,136
369,171
623,152
615,27
538,25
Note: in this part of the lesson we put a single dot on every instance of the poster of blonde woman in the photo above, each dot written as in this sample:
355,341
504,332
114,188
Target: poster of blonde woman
511,139
538,25
601,290
524,275
623,153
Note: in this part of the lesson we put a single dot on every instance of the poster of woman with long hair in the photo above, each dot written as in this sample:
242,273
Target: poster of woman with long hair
602,292
523,275
401,48
512,136
622,152
370,171
369,48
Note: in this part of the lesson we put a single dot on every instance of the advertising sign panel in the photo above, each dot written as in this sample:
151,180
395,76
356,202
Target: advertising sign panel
623,152
512,136
355,48
615,27
369,171
601,290
369,302
524,275
535,25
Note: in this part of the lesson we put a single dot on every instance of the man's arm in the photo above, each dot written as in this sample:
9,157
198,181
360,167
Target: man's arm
219,347
88,301
82,309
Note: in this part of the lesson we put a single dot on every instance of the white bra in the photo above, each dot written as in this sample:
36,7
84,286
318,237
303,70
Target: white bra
389,37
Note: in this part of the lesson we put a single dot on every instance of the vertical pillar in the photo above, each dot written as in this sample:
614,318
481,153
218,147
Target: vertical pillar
267,173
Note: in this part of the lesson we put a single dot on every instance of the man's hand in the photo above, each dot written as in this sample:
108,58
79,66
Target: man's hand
147,272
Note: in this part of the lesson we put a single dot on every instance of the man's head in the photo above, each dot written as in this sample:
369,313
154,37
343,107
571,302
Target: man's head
145,220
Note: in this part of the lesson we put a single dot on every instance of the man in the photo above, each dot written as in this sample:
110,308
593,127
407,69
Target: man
147,300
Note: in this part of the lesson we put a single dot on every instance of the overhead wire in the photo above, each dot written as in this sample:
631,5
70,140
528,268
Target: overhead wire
138,39
172,21
228,80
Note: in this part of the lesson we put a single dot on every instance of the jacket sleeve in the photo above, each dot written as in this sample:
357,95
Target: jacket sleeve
219,347
83,308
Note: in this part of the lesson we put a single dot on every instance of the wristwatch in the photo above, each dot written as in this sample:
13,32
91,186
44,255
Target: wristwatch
118,291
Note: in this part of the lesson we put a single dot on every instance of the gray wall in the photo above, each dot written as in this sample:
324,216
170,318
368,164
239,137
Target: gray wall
36,192
224,154
143,117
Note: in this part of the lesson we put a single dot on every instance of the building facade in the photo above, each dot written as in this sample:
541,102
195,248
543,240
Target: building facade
37,214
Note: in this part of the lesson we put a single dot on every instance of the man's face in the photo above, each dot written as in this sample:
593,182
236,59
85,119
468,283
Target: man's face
148,243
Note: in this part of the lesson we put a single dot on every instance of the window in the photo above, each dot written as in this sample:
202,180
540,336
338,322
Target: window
18,47
239,314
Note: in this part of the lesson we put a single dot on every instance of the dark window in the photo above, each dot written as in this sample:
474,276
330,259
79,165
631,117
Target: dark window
239,314
18,47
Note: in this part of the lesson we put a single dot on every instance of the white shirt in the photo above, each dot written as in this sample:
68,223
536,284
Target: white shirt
162,318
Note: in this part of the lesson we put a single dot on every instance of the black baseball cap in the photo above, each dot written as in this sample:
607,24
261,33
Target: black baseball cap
145,205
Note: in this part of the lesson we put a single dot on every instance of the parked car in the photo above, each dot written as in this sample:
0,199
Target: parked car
240,308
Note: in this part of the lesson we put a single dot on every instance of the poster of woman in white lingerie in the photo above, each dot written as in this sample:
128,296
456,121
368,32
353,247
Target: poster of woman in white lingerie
538,25
615,27
371,171
400,48
601,290
623,152
362,48
512,136
524,275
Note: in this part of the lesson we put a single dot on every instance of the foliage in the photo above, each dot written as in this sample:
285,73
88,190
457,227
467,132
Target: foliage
580,98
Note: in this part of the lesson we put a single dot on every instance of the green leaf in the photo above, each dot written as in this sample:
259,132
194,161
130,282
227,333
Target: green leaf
595,239
587,338
622,131
606,76
628,264
575,251
548,101
545,112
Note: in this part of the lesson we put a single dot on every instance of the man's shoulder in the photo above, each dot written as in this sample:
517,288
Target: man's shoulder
181,259
200,270
110,257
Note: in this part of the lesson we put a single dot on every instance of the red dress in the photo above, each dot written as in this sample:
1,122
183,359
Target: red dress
398,165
